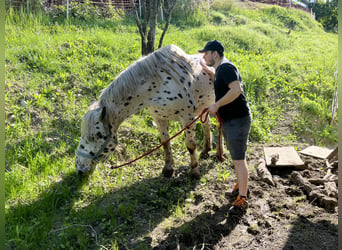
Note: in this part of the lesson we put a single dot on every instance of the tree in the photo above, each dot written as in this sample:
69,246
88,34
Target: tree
326,14
146,18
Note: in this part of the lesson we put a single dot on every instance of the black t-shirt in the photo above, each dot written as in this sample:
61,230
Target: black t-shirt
225,74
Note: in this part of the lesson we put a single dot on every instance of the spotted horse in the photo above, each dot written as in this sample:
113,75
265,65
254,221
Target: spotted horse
171,84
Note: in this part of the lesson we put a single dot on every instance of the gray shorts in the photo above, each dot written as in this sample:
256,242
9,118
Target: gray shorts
236,132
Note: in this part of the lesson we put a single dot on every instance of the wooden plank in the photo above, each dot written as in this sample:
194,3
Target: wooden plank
285,157
333,156
318,152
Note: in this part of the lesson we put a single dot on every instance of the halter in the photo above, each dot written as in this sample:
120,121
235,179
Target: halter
97,155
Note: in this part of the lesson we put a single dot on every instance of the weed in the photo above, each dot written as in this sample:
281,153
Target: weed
56,68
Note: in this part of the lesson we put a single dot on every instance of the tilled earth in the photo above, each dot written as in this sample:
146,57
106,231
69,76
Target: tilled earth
279,217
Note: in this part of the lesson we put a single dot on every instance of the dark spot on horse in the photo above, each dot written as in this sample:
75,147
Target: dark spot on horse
190,102
166,82
201,96
99,135
112,149
164,104
110,126
167,92
153,83
129,98
97,127
96,123
177,112
141,104
91,153
159,98
189,83
81,146
156,111
169,78
204,73
180,95
126,104
161,71
158,92
182,109
149,89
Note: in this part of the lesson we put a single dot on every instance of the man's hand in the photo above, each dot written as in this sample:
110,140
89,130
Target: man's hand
210,71
213,109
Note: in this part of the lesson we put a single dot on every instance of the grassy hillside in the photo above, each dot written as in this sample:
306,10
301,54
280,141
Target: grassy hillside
55,69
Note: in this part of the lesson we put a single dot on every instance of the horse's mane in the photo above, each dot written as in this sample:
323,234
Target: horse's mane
148,67
89,120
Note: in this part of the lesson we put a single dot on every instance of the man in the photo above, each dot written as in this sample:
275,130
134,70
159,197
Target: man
233,108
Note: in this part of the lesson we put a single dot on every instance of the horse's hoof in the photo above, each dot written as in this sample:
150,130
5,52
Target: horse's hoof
168,172
195,173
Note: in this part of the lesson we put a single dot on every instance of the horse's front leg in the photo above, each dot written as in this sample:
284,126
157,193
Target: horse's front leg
207,139
190,143
163,127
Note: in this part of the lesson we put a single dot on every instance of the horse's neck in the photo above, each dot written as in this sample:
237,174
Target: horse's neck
122,111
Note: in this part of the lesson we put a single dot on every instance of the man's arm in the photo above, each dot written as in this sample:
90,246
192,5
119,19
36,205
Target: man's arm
230,96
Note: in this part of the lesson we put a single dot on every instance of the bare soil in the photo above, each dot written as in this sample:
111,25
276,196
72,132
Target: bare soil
279,217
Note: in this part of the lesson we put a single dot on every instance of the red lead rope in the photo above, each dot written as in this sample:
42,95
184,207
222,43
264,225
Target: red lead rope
203,118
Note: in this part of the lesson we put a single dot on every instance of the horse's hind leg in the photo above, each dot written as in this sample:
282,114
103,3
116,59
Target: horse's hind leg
207,139
163,127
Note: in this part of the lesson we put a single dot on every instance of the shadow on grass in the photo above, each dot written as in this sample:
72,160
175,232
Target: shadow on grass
27,225
65,215
203,232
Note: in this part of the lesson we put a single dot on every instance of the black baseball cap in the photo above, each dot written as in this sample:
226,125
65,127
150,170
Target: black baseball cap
213,45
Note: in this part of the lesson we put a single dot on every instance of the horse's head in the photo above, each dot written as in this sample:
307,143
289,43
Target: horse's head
97,140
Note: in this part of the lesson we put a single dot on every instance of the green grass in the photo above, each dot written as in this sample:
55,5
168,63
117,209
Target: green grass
55,69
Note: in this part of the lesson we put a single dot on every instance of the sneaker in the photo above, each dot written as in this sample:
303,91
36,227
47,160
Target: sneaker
239,206
235,191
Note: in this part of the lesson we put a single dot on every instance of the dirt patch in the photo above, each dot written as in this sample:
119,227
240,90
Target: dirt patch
283,216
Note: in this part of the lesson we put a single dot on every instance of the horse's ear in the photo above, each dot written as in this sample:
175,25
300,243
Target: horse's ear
103,114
